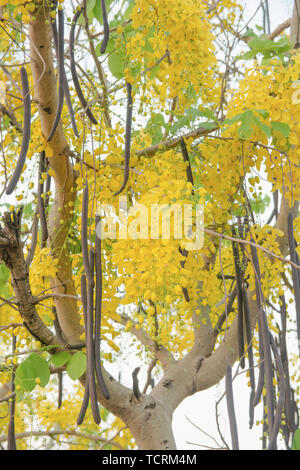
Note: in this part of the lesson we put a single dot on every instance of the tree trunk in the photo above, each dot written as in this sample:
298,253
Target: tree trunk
151,425
295,25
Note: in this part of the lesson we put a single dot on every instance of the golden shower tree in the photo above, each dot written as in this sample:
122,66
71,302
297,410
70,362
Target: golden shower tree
108,110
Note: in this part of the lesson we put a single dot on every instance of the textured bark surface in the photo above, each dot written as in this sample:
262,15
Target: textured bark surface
12,255
45,88
295,25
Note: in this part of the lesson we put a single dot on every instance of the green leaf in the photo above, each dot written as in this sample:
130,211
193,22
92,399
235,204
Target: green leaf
76,365
246,129
262,112
128,11
60,359
281,127
247,56
97,10
90,12
296,440
40,368
154,127
31,368
4,276
90,4
267,48
261,43
232,120
266,129
109,48
208,125
28,210
116,63
104,414
249,33
248,120
183,121
259,205
25,377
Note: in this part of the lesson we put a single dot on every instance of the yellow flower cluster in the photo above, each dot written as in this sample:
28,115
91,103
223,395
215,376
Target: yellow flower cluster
273,89
174,44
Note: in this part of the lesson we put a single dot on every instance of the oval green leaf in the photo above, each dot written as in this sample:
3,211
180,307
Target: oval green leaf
76,365
296,440
40,368
25,377
60,359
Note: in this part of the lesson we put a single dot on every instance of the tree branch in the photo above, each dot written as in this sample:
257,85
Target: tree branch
160,352
172,143
281,27
45,86
83,435
13,258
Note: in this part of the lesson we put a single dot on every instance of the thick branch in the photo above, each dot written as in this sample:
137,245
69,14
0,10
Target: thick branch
172,143
160,352
281,27
45,86
83,435
9,113
13,257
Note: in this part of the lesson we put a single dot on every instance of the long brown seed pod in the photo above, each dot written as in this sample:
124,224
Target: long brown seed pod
90,350
263,325
135,383
26,133
251,409
281,399
230,409
86,397
47,189
98,312
127,138
106,28
66,85
11,438
298,262
250,352
228,309
189,176
61,73
33,243
275,209
186,158
84,238
57,327
265,426
73,70
260,384
239,283
84,405
295,277
288,407
261,374
41,207
60,388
